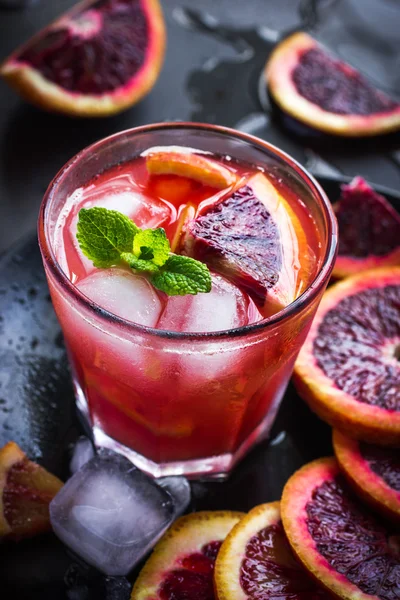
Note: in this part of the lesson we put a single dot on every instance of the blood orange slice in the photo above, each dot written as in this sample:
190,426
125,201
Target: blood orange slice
373,471
26,490
348,370
255,562
336,538
182,564
190,165
369,230
96,60
254,238
327,94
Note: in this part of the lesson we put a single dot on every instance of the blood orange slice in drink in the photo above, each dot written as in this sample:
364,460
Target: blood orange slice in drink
190,165
369,230
373,471
336,538
96,60
256,239
26,490
348,370
182,564
255,562
324,93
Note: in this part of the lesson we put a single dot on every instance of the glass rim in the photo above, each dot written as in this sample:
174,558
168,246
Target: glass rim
305,298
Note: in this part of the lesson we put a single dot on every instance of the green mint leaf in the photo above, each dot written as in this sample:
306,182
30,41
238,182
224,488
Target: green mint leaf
108,237
138,264
182,275
104,234
152,244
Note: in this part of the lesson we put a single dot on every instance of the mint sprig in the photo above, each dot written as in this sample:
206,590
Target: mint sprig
108,238
152,244
104,234
182,275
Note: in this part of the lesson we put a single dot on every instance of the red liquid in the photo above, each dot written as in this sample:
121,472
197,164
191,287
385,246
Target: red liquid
175,400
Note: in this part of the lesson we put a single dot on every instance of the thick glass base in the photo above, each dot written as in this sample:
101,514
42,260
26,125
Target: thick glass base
207,468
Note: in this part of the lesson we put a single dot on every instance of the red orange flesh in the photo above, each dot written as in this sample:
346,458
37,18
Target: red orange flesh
255,561
279,77
179,555
342,410
369,230
26,490
336,538
372,487
34,87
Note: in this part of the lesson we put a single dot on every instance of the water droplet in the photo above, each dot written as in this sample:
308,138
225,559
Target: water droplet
278,439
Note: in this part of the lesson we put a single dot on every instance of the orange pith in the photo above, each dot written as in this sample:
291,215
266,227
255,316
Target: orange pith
368,485
26,490
35,88
342,410
281,574
187,536
296,267
188,213
192,166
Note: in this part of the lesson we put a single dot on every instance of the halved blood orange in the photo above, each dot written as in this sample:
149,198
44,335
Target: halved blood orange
348,370
255,238
255,562
324,93
181,566
95,60
373,472
336,538
369,230
26,490
190,165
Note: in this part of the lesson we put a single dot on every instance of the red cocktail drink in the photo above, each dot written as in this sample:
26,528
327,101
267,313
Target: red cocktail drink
188,383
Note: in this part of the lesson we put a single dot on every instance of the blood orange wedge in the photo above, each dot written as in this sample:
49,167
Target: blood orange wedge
190,165
326,94
348,369
255,562
96,60
369,230
26,490
336,538
181,566
254,238
373,471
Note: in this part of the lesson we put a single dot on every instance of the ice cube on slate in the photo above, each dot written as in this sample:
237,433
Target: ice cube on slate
110,513
82,453
179,489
